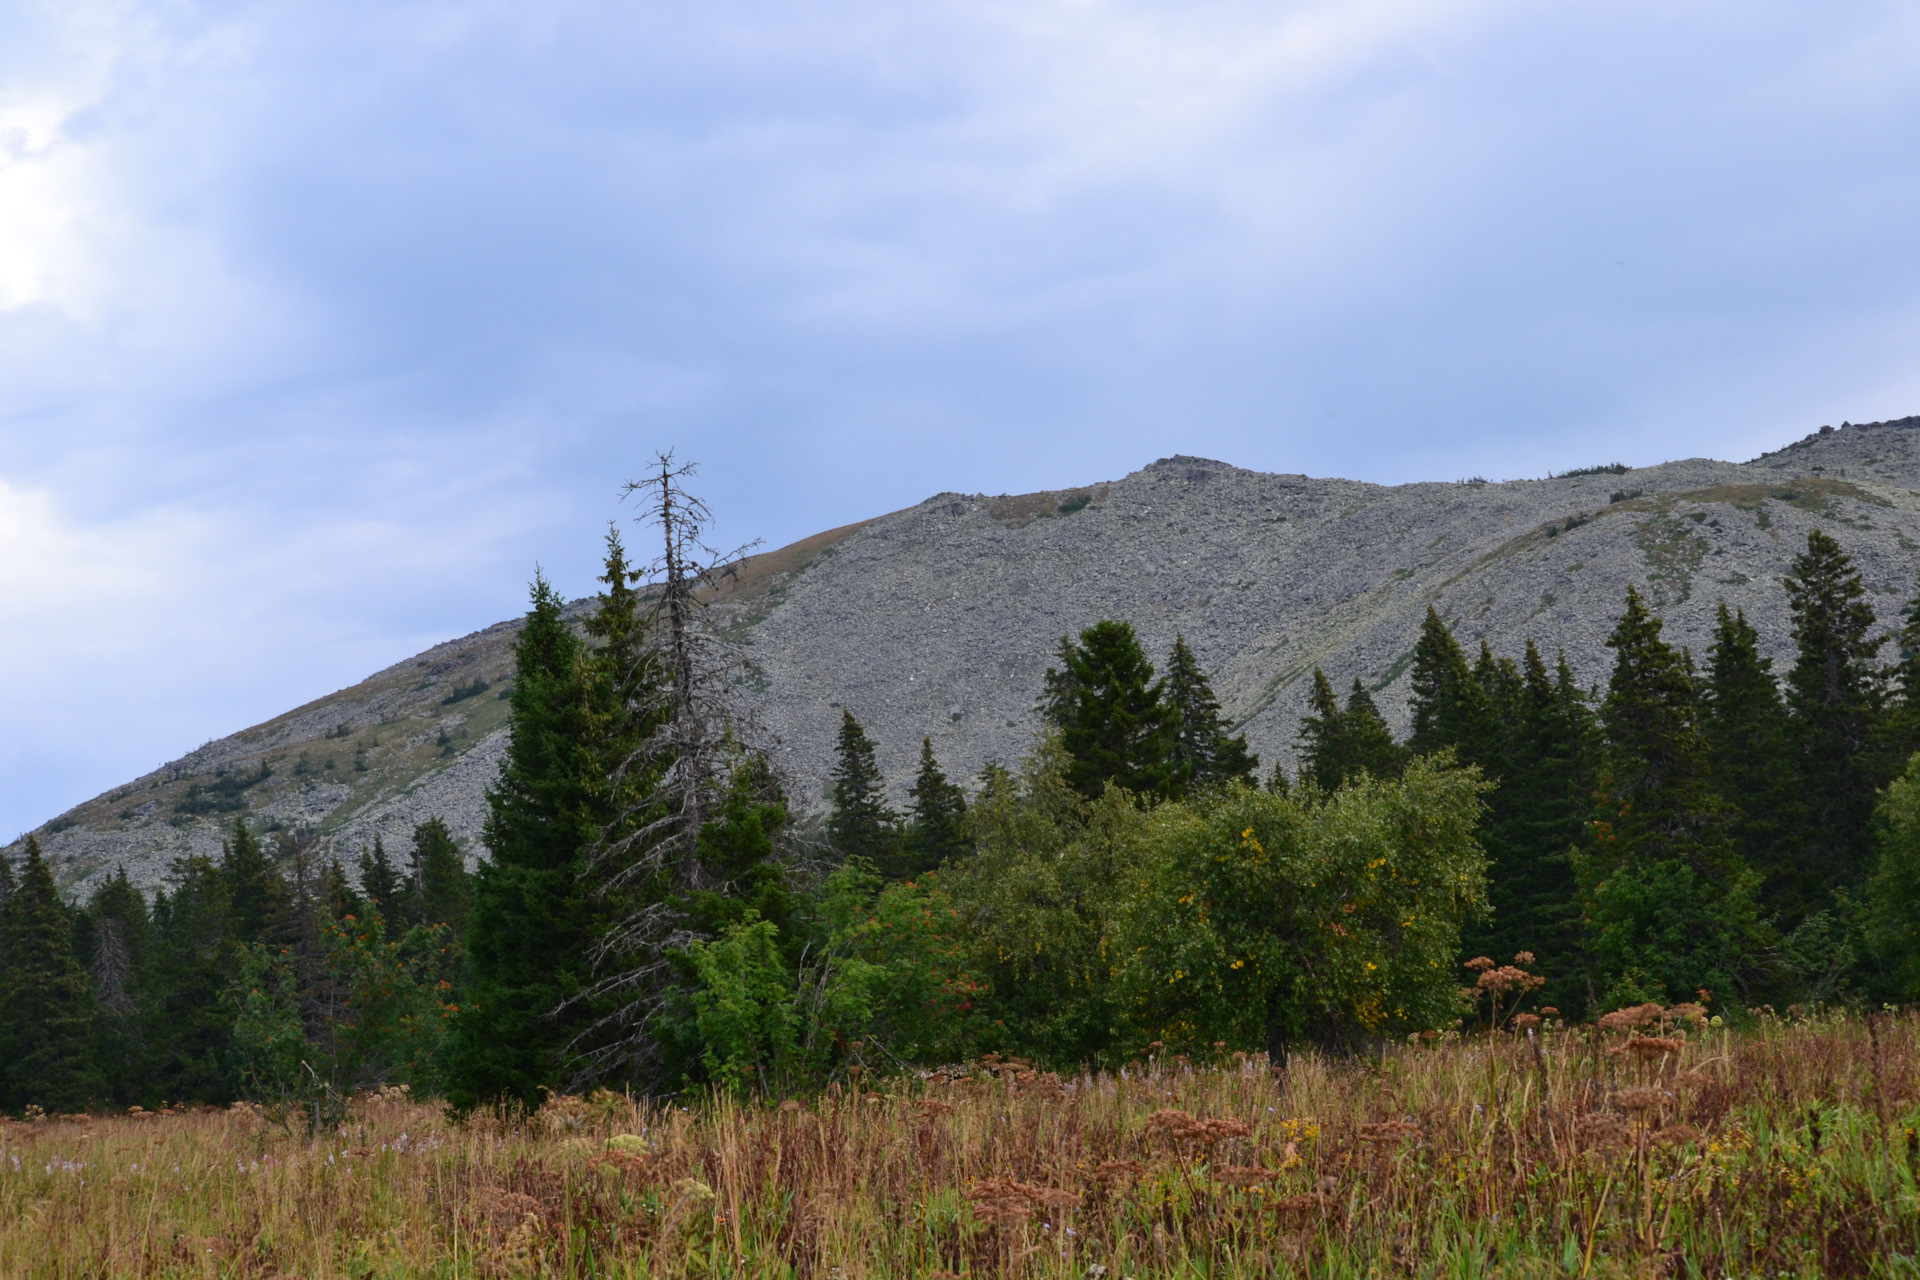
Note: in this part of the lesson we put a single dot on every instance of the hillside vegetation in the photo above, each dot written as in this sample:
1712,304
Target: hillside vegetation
939,621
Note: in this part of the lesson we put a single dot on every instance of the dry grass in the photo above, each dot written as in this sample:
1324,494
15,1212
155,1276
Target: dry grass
1631,1150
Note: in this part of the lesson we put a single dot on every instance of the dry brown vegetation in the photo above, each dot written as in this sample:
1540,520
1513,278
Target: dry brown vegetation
1652,1145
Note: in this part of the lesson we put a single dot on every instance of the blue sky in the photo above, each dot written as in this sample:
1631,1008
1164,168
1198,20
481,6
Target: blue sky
321,324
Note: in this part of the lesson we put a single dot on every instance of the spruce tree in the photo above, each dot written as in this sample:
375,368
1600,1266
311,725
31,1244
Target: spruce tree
937,829
1443,703
1323,736
187,1029
380,881
46,1001
1538,813
1833,703
1668,907
1112,715
256,893
118,963
528,937
1745,725
1204,755
1900,725
1337,743
861,824
439,890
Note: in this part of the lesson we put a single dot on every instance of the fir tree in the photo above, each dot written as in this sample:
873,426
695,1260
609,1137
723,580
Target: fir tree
1833,701
46,1002
527,939
187,1031
1745,726
1900,726
1112,715
1203,753
118,960
256,893
1443,703
380,881
1539,813
861,825
937,829
439,890
1337,743
1668,906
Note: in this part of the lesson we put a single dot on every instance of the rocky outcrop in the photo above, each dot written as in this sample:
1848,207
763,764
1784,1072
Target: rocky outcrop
940,620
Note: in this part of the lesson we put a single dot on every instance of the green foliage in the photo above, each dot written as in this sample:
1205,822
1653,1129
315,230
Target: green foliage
380,880
438,888
860,824
461,692
1035,907
1833,698
1112,715
1893,892
1744,724
269,1052
256,897
1668,905
1264,920
1339,744
1204,754
936,826
46,1002
1536,814
528,934
227,793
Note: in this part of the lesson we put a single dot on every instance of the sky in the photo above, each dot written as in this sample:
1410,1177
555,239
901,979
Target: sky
323,324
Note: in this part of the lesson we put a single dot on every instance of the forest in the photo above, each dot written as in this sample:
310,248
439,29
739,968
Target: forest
655,914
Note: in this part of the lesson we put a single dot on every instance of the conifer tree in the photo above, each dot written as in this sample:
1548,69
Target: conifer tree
256,893
1203,752
937,829
1833,703
527,940
1668,905
1900,726
1542,805
1444,697
1323,736
187,1030
380,881
439,890
861,824
1112,714
1337,743
1745,726
46,1002
118,964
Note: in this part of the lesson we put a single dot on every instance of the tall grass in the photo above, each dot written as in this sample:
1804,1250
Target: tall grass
1789,1149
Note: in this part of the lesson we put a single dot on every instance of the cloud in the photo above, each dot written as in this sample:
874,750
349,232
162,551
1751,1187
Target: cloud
335,319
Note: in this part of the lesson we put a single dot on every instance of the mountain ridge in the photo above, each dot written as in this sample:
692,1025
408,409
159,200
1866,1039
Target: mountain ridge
939,619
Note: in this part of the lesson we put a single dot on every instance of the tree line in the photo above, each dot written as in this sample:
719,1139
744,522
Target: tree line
653,914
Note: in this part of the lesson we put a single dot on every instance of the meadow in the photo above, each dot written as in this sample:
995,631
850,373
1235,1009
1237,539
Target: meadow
1651,1144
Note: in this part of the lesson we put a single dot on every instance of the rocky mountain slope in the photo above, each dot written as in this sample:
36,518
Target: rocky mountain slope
940,620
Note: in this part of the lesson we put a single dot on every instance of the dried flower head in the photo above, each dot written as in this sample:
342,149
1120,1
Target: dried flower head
1479,964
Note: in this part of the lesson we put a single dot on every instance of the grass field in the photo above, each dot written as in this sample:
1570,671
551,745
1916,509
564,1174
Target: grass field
1670,1148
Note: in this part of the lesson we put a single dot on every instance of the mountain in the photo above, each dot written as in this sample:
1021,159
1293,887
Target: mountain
940,620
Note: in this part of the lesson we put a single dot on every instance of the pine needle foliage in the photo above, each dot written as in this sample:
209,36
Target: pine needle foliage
46,1001
1833,700
1112,715
1205,754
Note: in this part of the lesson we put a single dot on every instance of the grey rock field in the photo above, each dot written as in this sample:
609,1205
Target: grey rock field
941,619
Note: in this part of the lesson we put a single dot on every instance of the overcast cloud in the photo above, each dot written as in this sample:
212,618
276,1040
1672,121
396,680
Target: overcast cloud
321,324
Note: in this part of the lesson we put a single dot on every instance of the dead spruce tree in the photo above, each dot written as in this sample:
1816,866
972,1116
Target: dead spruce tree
692,807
